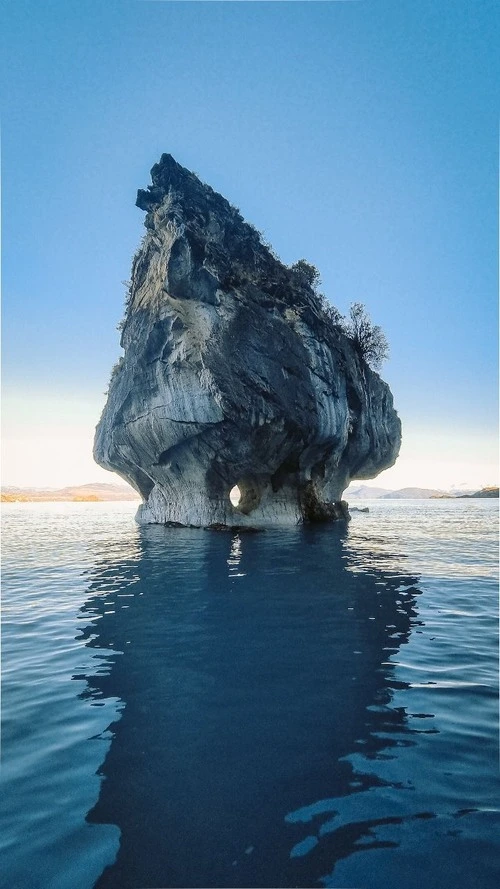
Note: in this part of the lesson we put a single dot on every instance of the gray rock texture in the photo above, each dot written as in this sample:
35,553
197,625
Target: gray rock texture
233,375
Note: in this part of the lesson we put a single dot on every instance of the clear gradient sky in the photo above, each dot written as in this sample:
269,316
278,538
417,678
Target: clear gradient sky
360,135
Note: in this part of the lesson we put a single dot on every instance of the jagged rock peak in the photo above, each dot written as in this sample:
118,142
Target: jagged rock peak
169,176
232,375
218,237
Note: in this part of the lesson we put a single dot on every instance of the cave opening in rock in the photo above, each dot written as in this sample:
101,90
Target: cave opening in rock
235,495
245,495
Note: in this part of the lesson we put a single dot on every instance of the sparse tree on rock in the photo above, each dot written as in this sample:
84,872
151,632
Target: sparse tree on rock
307,273
330,311
369,339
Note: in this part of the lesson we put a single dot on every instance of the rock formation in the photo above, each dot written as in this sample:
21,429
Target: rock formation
233,375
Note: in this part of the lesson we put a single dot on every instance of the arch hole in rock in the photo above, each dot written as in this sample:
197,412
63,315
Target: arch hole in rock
245,495
235,495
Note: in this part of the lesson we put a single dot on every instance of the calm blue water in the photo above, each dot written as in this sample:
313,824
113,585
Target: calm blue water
309,707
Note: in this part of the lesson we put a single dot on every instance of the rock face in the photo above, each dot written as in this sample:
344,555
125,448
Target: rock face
233,375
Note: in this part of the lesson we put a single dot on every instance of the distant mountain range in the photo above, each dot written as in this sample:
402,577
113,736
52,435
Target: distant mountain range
93,492
105,492
415,494
365,492
484,492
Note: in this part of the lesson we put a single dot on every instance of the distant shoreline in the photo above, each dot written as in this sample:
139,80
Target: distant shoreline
91,493
19,498
364,492
109,493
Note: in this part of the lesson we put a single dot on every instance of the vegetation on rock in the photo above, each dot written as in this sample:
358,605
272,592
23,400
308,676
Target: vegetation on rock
247,259
369,339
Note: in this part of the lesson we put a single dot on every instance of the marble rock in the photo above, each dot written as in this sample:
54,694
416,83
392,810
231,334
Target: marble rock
232,375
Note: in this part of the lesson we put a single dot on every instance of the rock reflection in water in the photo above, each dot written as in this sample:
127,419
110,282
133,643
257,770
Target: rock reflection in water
250,669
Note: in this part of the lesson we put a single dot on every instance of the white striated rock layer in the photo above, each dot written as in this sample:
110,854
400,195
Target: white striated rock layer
232,375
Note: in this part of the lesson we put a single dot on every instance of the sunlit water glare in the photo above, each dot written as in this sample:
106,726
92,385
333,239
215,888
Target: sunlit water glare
301,707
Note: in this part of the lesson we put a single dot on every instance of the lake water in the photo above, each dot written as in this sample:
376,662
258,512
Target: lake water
296,708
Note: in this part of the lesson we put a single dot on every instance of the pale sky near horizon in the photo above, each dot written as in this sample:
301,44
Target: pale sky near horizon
362,136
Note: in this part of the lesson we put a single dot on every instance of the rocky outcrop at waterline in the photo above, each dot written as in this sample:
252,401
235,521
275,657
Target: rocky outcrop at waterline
232,375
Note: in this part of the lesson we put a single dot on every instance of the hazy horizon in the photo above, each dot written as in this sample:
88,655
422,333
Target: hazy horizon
116,481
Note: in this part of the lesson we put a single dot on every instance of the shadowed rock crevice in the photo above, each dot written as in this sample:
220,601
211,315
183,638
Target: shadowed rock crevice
232,373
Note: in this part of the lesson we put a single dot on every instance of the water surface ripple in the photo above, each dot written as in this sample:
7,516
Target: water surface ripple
301,707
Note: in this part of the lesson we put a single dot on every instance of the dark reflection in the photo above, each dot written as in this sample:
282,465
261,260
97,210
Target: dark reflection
249,669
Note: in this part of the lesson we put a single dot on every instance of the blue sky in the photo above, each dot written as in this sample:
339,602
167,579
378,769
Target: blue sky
362,136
